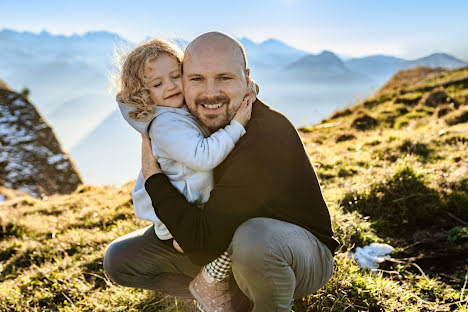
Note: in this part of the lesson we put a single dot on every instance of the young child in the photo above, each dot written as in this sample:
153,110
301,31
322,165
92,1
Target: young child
151,100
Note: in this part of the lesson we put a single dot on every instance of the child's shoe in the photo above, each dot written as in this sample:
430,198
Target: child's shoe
212,294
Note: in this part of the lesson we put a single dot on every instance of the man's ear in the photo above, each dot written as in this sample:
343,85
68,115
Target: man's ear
247,75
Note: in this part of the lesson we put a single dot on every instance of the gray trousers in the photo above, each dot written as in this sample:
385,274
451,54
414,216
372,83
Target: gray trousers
273,262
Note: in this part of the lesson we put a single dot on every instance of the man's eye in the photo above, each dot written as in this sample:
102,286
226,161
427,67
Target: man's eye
196,79
176,76
225,78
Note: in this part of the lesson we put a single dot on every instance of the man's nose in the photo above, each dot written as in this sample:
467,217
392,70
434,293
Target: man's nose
211,89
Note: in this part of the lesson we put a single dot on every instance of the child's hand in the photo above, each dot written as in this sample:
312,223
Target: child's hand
177,246
244,112
252,91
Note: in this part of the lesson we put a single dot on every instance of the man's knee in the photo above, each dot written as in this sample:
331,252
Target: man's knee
115,262
251,241
253,232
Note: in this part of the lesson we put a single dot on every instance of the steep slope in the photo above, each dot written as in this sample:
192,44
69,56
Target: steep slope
398,159
31,158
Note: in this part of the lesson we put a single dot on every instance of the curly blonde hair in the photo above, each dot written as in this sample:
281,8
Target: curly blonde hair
131,82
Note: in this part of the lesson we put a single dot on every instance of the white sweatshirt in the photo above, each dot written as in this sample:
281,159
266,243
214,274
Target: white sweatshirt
187,154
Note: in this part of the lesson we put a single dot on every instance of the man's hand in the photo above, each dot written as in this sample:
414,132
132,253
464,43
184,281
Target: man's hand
149,164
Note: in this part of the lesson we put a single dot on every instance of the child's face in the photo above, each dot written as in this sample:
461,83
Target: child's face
165,81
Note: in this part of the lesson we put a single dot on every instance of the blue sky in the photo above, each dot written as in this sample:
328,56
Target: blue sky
408,29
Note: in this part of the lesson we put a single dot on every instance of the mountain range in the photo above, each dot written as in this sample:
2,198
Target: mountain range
68,78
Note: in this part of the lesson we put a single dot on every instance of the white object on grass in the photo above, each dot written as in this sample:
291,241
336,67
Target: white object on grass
369,257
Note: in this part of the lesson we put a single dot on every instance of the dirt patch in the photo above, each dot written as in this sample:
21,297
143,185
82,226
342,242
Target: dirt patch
341,113
437,98
420,149
364,122
443,110
457,117
345,137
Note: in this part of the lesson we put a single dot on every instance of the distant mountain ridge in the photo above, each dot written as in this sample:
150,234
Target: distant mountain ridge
382,67
324,66
68,77
270,53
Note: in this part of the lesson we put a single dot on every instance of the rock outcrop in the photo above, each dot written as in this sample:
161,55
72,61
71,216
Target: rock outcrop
31,158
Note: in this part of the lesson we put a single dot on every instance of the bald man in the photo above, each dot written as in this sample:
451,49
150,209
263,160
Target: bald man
266,208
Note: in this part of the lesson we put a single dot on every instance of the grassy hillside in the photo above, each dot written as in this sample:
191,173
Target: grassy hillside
393,169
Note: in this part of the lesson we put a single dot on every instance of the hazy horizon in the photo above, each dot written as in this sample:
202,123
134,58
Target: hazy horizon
342,56
399,28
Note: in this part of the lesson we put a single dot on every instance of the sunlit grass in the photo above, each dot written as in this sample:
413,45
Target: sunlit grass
403,183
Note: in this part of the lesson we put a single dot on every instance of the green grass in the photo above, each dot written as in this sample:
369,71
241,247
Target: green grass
404,182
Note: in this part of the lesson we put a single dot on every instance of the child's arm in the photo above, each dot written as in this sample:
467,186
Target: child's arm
182,141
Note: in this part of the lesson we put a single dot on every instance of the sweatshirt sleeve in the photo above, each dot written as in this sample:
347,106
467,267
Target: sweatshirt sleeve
144,210
182,141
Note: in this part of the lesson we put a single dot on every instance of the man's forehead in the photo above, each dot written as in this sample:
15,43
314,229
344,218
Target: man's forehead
211,59
213,52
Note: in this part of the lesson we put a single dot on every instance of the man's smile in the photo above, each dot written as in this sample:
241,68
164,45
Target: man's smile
212,106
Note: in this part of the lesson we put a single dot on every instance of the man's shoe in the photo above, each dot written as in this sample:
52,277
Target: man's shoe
212,294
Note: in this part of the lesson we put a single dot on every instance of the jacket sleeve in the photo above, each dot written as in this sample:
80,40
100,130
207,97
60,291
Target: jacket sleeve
206,232
182,141
143,208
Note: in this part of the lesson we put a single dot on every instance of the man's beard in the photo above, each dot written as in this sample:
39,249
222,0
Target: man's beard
224,99
217,121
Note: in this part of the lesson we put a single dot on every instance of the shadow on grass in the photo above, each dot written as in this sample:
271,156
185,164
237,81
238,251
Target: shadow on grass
93,273
22,260
12,229
406,212
404,204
